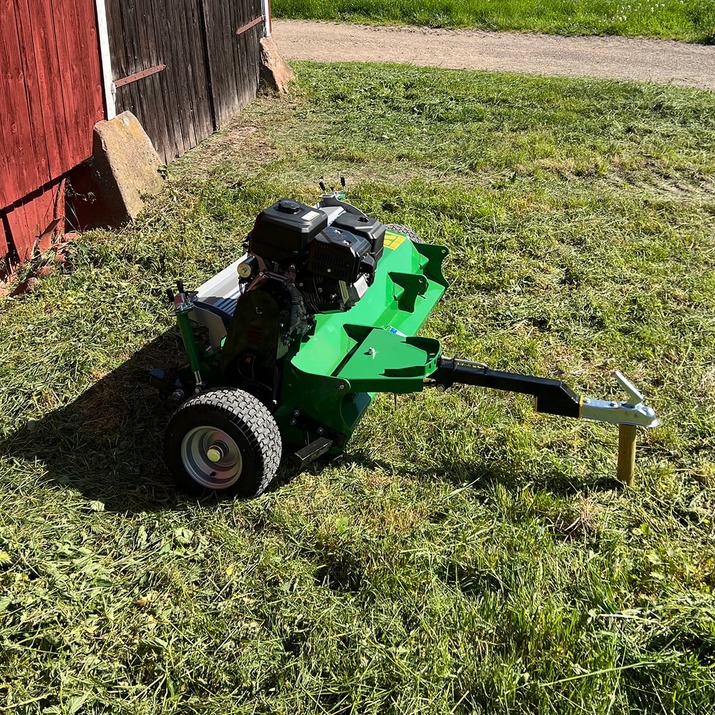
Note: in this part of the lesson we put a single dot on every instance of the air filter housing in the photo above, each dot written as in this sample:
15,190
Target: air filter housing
339,254
284,231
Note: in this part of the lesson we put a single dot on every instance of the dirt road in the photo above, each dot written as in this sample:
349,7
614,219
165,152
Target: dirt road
607,57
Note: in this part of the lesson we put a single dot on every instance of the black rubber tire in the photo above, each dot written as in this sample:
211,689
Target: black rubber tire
406,230
246,421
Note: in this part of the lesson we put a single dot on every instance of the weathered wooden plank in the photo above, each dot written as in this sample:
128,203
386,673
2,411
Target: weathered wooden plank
201,106
23,223
145,57
182,61
175,113
233,49
79,62
180,53
71,97
53,98
30,219
172,42
164,108
168,144
117,46
91,60
136,60
39,34
202,79
14,103
218,13
55,226
20,233
27,168
224,87
158,103
5,246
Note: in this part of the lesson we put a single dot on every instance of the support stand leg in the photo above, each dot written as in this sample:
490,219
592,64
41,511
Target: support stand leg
626,453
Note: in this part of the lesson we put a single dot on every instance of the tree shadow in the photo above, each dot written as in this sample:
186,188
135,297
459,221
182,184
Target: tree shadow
108,442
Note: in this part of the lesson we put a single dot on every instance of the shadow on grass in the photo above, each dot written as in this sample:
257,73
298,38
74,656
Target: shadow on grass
485,475
107,443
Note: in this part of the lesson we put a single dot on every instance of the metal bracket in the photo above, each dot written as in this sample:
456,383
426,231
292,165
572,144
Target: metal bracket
123,81
635,394
633,412
316,449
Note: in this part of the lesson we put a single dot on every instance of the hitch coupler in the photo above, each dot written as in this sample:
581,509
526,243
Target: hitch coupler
556,398
628,416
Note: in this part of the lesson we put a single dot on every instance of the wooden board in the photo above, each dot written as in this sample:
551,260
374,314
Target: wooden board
51,95
30,221
233,58
77,44
173,105
6,252
210,71
24,169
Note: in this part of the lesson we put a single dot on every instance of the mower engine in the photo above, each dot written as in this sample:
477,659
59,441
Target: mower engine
328,253
302,261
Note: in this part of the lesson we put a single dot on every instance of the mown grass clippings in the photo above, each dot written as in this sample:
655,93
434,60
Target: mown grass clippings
691,20
465,555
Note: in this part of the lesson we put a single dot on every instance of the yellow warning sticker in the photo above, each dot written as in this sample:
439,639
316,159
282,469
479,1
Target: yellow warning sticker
393,240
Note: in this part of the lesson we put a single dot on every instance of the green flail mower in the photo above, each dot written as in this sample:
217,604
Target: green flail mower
301,332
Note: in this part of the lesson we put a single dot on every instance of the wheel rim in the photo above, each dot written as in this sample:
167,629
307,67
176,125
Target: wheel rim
211,457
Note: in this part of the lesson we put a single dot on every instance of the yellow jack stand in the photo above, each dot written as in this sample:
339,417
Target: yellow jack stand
627,453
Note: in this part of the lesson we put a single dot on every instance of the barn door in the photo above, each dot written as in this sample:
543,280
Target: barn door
160,70
183,67
233,32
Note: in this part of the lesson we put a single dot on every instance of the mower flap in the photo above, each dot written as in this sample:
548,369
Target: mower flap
387,362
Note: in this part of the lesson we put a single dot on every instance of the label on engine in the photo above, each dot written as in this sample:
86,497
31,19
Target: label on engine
311,215
394,240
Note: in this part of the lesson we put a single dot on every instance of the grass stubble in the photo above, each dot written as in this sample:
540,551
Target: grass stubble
466,555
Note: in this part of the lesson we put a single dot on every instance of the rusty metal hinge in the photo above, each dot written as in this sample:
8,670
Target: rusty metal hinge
138,75
248,26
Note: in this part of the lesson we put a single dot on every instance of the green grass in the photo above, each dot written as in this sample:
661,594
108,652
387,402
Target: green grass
467,555
692,20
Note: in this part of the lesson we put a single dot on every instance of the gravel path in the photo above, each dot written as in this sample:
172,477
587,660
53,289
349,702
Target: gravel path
608,57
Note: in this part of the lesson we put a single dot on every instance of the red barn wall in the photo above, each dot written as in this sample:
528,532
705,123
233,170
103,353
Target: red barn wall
50,99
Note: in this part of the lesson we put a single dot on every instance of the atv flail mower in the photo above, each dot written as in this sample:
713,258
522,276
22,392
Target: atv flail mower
319,315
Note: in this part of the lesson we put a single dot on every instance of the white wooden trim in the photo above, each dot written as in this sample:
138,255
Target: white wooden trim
106,57
267,14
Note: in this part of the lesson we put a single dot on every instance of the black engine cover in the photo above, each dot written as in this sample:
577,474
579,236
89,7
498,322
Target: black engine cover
284,230
339,254
365,227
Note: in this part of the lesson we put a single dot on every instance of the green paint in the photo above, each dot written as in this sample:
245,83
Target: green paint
334,373
187,335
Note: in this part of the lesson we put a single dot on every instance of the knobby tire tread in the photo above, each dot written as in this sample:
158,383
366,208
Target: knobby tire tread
406,230
257,423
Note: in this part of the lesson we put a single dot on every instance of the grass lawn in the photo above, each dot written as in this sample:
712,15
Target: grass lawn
692,20
467,555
